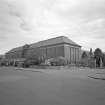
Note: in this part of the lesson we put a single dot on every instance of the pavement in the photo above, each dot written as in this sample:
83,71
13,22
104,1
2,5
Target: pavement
29,86
98,74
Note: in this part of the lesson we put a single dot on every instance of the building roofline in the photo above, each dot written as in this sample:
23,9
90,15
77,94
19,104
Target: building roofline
48,42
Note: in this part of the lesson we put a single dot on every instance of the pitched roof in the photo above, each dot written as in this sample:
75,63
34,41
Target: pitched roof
2,56
16,49
19,48
52,41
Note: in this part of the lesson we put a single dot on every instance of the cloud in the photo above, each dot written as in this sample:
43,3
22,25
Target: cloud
80,8
85,21
14,10
32,20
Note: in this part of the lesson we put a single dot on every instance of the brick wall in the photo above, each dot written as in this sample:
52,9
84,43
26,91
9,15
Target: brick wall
47,52
15,54
71,53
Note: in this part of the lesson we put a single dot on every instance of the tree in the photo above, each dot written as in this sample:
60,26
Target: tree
33,57
91,53
84,55
98,55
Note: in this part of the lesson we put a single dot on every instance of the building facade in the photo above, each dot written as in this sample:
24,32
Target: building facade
51,48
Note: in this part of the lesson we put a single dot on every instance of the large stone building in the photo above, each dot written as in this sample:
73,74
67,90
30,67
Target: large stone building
51,48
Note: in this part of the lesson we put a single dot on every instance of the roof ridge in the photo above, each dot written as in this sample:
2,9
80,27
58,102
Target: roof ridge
50,41
51,38
47,40
69,40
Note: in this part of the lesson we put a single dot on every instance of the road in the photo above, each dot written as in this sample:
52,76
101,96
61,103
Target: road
50,87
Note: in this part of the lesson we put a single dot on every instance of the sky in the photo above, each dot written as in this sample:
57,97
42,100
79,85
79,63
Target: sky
29,21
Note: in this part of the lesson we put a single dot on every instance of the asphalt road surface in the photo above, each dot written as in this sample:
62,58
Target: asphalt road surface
50,87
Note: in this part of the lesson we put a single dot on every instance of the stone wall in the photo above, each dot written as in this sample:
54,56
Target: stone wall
72,53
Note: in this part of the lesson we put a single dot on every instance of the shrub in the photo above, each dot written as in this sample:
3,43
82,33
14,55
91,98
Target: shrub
91,63
88,63
84,55
30,61
84,62
3,62
59,61
46,63
26,64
